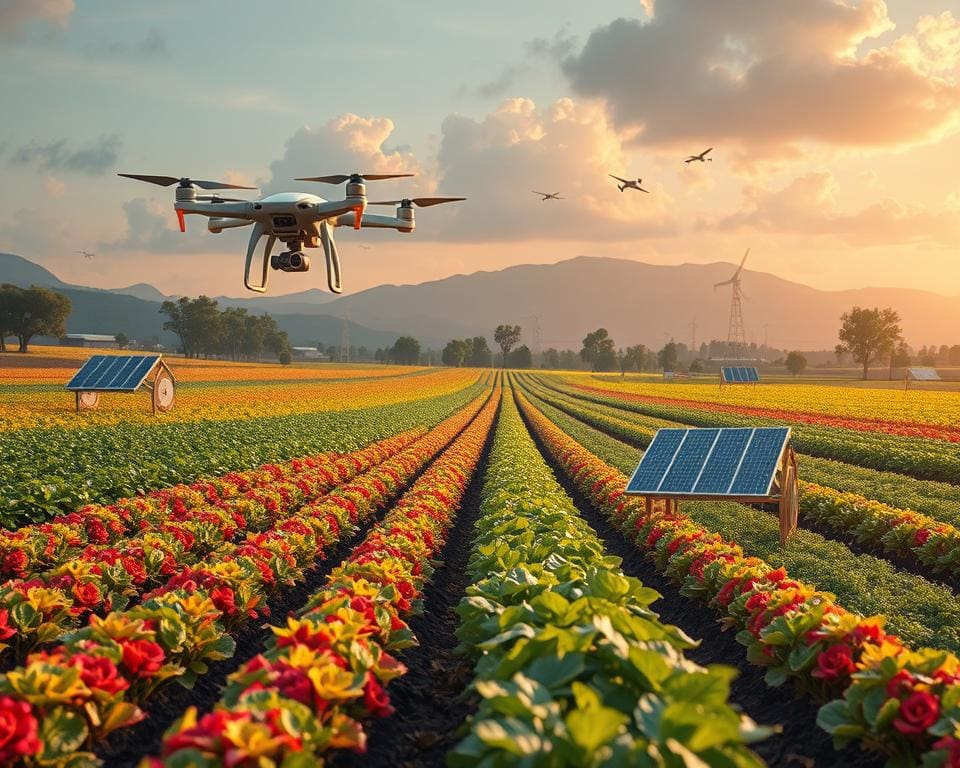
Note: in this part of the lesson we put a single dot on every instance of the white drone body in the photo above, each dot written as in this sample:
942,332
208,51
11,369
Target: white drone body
296,219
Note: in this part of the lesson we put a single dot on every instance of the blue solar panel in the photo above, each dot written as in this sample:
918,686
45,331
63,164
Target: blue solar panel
113,372
710,462
740,375
924,374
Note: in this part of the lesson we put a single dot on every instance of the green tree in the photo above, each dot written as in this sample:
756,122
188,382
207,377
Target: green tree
506,337
900,357
796,363
455,353
551,359
480,354
33,311
696,366
122,340
668,357
406,351
599,350
520,357
868,334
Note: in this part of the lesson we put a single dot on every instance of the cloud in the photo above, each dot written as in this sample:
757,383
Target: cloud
556,48
152,228
344,144
567,147
33,232
768,77
808,206
94,159
16,14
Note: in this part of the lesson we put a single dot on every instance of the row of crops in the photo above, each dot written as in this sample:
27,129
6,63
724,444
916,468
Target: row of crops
240,616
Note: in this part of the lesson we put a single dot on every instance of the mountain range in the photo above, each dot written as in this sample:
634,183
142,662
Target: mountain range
634,301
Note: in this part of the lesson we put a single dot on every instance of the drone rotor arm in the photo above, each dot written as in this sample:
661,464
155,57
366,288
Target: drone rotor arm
375,221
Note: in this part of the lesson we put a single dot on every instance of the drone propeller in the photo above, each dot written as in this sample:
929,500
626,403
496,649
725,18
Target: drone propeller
339,178
166,181
218,199
420,202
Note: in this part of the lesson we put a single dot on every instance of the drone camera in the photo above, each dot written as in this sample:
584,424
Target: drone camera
290,261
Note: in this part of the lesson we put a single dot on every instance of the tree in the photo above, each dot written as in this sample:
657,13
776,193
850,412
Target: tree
520,357
455,353
900,357
406,351
599,350
551,359
868,334
696,366
634,358
796,363
480,354
33,311
668,357
506,336
122,340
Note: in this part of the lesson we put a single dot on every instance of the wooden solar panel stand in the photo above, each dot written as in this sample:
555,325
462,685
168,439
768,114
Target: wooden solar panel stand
161,388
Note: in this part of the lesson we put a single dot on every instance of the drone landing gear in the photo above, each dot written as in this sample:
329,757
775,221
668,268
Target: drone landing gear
333,258
255,235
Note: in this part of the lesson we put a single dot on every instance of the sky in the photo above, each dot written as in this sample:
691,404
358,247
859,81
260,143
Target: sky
835,126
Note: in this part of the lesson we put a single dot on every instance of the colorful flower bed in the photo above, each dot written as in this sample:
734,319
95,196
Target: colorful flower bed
901,702
559,634
326,669
48,472
181,627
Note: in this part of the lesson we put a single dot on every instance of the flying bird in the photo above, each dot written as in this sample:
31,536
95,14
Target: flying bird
86,254
629,184
702,157
548,195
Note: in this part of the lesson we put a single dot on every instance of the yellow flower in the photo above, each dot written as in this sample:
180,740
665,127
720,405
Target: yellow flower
332,683
46,601
252,741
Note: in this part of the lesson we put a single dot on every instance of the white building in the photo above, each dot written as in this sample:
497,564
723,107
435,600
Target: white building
92,340
309,353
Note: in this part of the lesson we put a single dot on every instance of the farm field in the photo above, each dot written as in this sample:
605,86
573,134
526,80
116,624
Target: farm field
393,566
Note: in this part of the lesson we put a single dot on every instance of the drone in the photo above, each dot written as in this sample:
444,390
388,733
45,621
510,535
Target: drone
702,157
548,195
629,184
86,254
296,219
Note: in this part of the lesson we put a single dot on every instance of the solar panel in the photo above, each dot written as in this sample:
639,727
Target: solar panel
119,373
739,375
710,462
924,374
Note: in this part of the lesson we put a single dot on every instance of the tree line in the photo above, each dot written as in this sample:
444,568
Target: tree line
204,330
29,312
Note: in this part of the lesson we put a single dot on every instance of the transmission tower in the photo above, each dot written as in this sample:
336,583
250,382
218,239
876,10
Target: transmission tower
537,334
736,335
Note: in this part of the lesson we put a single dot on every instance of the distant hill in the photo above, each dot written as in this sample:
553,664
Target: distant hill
135,311
639,302
636,302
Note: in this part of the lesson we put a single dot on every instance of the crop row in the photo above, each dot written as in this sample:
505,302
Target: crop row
925,459
921,611
867,408
879,692
55,409
897,531
48,472
169,530
96,680
326,668
572,666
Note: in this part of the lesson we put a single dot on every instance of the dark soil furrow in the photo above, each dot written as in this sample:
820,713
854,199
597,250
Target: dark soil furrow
801,744
429,701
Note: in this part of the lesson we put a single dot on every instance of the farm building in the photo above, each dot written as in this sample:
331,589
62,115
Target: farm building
91,340
309,353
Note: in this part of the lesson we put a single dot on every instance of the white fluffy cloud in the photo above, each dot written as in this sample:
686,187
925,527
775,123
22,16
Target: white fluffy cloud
767,77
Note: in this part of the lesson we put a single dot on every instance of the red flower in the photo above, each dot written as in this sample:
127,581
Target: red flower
918,712
205,734
294,684
920,537
18,730
224,599
87,593
375,699
900,684
100,673
16,563
950,745
6,631
835,662
142,657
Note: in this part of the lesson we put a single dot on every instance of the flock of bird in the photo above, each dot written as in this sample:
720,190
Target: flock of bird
624,184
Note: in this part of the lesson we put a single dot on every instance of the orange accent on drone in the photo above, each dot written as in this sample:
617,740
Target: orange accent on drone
357,216
183,225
